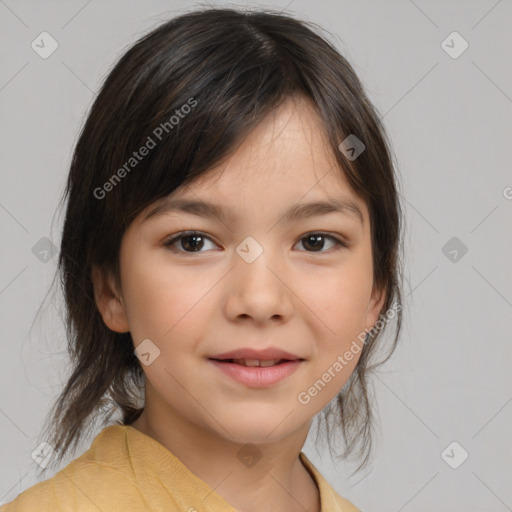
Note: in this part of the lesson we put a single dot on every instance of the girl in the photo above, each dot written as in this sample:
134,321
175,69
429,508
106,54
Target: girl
229,259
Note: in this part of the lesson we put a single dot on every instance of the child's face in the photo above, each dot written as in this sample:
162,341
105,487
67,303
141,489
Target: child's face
204,298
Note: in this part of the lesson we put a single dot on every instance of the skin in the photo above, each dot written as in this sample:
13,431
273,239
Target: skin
312,301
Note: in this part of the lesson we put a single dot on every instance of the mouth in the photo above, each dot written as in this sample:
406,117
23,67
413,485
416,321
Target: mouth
264,363
257,373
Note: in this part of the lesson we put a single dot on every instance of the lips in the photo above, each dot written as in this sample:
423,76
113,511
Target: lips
256,376
254,362
250,356
257,368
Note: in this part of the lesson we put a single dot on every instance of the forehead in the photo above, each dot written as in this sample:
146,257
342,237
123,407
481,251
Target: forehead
288,142
285,160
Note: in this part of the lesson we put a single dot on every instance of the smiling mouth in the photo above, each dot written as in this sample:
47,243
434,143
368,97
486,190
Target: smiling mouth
257,373
254,362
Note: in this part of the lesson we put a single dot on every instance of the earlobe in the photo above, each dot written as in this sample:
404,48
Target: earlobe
375,307
109,305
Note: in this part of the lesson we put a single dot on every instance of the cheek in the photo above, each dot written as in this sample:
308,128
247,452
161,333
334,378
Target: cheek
148,299
340,302
163,302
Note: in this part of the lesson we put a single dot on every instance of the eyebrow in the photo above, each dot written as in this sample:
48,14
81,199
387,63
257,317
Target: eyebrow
296,212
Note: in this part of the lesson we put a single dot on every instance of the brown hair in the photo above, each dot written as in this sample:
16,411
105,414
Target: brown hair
236,66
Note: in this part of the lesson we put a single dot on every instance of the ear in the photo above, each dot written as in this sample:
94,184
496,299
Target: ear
375,307
109,304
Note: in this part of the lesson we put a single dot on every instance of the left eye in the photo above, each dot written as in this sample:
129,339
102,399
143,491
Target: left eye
315,240
193,241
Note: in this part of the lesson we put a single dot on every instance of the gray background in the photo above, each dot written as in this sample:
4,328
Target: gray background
449,120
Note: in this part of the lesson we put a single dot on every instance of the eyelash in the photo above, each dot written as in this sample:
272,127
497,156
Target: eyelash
183,234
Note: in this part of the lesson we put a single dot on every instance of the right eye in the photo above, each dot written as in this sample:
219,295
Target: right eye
191,241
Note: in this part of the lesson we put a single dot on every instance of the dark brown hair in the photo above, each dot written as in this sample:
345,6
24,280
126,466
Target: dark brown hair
236,66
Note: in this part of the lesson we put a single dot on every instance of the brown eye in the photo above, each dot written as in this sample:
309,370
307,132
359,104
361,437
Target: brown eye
190,242
316,242
193,242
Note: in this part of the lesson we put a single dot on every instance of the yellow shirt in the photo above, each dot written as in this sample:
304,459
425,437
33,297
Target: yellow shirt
127,471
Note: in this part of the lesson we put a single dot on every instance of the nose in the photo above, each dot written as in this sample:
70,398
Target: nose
259,290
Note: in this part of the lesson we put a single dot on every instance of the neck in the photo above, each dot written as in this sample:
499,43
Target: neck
251,477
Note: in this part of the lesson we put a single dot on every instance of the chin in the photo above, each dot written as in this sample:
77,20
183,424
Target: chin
259,431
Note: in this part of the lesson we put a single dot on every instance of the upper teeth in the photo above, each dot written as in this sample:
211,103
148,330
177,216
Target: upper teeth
256,362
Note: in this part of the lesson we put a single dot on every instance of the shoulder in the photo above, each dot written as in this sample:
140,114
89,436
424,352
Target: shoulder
343,504
85,484
331,501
